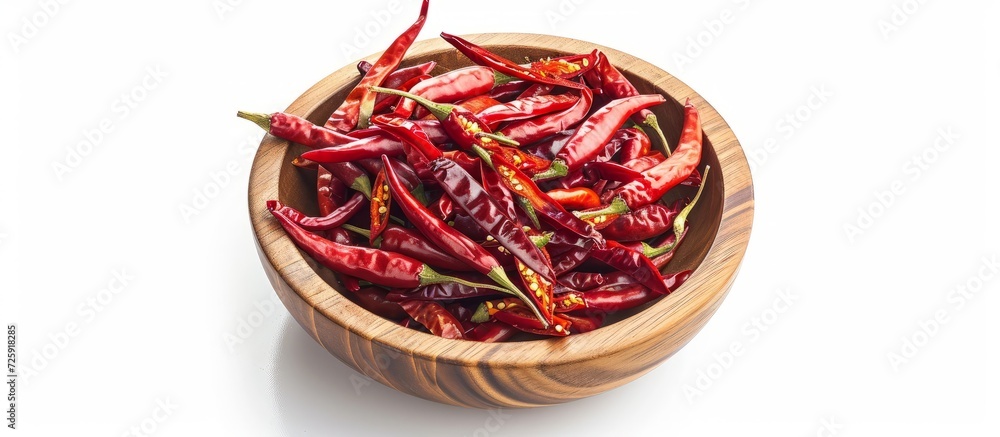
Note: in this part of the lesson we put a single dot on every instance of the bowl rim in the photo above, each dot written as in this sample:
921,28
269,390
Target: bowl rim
705,289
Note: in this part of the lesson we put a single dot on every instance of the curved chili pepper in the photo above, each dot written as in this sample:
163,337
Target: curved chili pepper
371,147
401,75
575,198
379,206
584,322
486,58
358,106
534,129
536,90
478,103
674,170
492,184
374,300
449,239
406,173
435,318
615,85
633,263
297,129
449,87
491,332
547,148
610,301
372,265
509,91
611,171
634,144
449,291
643,223
567,67
413,244
384,103
330,191
352,176
582,280
589,139
525,107
539,289
336,218
514,313
443,208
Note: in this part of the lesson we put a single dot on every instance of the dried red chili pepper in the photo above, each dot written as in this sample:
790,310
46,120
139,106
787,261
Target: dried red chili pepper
590,138
634,144
491,332
582,280
435,318
449,87
615,85
644,223
526,107
381,203
478,103
633,263
509,91
567,67
330,191
536,90
358,106
413,244
610,301
537,128
352,176
385,103
575,198
515,313
376,266
492,184
486,58
449,291
582,323
443,208
371,147
401,75
674,170
336,218
374,299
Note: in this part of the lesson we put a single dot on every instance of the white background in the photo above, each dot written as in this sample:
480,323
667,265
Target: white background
155,353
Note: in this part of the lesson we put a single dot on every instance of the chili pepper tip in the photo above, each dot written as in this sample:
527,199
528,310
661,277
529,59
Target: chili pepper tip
273,205
260,119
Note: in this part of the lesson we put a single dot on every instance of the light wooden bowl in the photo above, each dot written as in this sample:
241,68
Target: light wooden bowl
517,374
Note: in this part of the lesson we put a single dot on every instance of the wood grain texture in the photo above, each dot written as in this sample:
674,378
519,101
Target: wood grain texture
518,374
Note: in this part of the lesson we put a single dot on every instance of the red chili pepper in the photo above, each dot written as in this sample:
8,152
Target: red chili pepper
582,280
449,291
386,103
406,173
443,208
352,176
634,144
615,85
584,322
537,128
509,91
514,313
589,139
336,218
674,170
633,263
371,147
643,223
415,245
401,75
492,184
575,198
374,299
491,332
330,191
449,87
486,58
567,67
379,206
372,265
435,318
478,103
358,106
540,290
536,90
523,108
610,301
611,171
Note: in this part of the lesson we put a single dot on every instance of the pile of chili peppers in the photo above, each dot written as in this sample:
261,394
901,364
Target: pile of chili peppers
495,199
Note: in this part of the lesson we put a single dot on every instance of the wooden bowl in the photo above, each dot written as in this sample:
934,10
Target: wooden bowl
515,374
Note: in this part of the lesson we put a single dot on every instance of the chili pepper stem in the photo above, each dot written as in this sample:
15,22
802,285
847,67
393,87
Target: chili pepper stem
682,217
651,122
498,275
558,169
498,138
481,315
617,207
501,79
429,276
364,185
439,110
258,118
363,232
541,240
529,211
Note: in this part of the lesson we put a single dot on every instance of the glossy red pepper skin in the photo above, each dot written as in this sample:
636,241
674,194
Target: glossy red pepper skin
644,223
443,208
351,175
582,323
445,237
538,128
491,332
448,291
336,218
615,85
386,103
330,191
524,108
406,173
634,144
477,203
509,91
372,265
644,163
593,134
575,198
371,147
611,301
514,313
449,87
492,184
435,318
374,299
401,75
360,103
613,172
478,103
486,58
633,263
413,244
671,172
537,90
582,280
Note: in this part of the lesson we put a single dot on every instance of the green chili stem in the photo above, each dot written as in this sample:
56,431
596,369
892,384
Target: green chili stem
558,169
655,125
682,217
440,110
260,119
617,207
